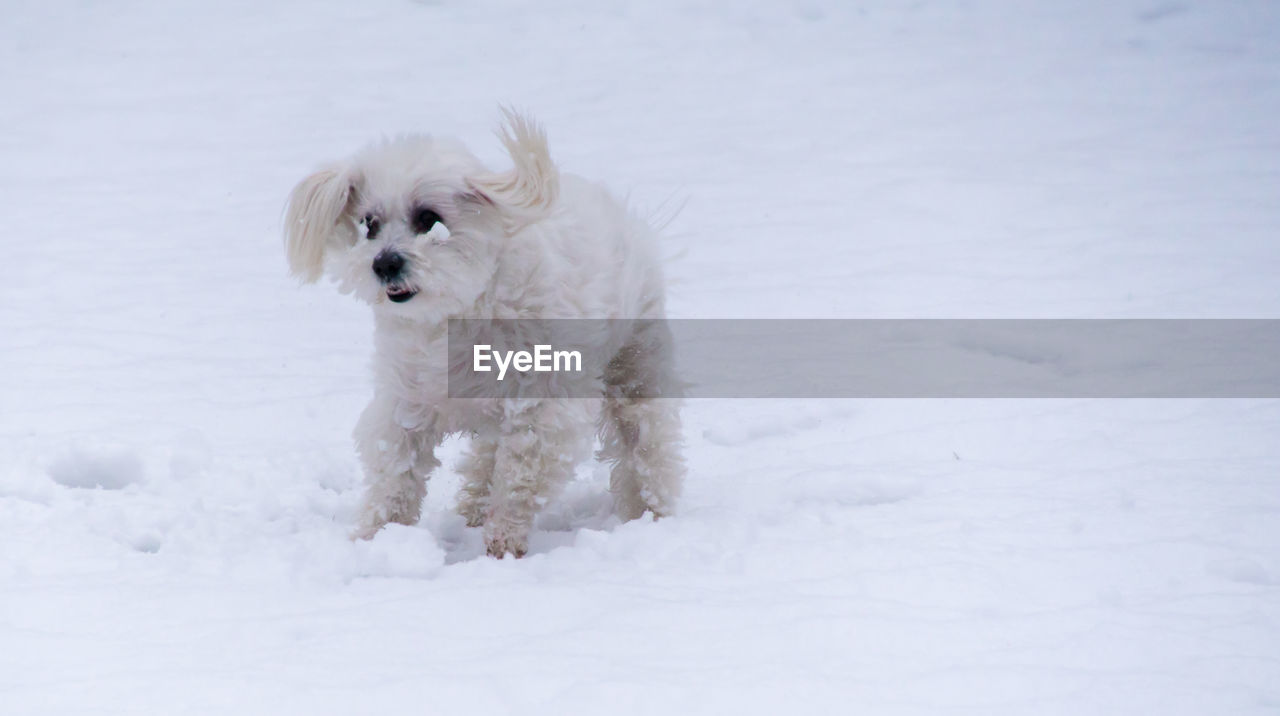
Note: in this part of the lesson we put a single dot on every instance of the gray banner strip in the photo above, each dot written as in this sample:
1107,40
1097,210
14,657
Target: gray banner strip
917,358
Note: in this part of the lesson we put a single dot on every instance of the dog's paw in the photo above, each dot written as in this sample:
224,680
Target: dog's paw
364,532
499,547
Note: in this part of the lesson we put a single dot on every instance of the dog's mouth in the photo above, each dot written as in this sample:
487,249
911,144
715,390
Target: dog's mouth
398,294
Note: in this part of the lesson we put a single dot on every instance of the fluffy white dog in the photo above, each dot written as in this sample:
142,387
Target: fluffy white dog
420,230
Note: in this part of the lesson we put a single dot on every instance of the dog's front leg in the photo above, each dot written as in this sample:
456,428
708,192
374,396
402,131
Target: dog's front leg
476,469
397,462
539,444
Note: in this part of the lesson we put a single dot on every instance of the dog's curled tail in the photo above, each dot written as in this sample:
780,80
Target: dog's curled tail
529,190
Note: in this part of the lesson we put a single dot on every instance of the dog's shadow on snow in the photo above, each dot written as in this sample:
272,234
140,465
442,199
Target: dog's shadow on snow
584,504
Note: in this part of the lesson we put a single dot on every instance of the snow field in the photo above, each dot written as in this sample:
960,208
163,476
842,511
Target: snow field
176,473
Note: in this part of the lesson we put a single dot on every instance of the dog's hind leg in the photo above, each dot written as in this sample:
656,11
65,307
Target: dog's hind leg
397,463
477,475
541,441
640,426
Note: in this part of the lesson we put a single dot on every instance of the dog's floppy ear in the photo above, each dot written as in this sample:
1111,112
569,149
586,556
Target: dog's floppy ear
527,191
316,206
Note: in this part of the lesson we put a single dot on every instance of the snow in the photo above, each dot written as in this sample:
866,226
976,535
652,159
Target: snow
96,466
176,474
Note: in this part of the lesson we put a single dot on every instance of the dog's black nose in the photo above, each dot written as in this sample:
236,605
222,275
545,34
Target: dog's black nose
388,265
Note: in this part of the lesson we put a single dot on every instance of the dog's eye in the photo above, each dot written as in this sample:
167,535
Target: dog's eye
424,219
371,226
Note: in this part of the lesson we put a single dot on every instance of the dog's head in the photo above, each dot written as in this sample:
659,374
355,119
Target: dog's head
414,225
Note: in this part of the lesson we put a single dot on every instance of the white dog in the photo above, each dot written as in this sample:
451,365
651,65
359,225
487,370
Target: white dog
420,230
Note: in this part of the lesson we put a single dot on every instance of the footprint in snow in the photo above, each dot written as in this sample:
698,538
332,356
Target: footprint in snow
109,468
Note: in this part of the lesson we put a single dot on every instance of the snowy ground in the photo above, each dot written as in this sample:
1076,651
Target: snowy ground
176,476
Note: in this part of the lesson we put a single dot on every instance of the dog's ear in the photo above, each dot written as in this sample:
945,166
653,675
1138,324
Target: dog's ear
527,191
316,207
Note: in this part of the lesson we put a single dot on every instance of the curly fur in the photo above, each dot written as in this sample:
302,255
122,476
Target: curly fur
528,242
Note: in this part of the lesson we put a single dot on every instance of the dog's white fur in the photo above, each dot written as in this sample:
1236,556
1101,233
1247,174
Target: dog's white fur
529,242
